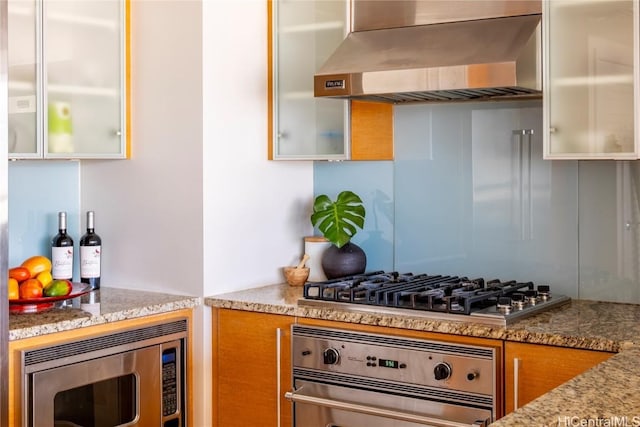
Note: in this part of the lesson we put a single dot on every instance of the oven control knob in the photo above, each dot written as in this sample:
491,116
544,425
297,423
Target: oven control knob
442,371
330,356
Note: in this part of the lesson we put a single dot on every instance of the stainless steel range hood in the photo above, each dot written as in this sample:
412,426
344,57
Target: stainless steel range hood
403,51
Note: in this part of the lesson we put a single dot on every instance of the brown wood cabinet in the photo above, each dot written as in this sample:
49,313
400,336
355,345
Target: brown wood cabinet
251,369
252,365
371,131
15,347
532,370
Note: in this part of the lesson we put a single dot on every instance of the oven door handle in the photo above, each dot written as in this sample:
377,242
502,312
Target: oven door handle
379,412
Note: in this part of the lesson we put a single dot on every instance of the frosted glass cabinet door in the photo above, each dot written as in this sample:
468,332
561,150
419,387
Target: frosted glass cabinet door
23,79
67,69
589,94
83,74
304,34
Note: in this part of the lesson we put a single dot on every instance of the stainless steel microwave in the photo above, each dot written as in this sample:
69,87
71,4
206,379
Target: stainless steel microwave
130,378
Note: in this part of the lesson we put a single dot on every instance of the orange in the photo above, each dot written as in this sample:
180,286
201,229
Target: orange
30,288
12,289
37,264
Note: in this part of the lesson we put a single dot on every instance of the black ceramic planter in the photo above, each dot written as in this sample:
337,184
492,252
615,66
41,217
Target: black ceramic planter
345,261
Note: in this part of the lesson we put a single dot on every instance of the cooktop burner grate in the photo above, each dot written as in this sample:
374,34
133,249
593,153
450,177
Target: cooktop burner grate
456,295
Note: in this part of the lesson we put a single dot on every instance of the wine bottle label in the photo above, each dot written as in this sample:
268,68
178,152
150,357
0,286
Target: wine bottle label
90,261
62,262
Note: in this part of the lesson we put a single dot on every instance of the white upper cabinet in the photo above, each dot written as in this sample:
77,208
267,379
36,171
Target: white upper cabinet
67,79
591,92
303,35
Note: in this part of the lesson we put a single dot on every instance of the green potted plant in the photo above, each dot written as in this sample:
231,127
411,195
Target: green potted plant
338,221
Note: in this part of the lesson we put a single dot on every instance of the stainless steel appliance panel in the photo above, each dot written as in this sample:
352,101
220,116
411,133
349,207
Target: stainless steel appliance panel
134,377
143,364
417,366
346,378
321,405
405,51
375,14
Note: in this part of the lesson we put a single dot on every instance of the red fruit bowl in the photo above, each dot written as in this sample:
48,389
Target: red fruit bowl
36,305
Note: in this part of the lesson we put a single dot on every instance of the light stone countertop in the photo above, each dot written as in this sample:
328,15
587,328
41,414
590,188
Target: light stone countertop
604,395
95,308
580,324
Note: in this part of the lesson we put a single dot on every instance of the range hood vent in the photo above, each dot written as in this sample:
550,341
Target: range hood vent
470,59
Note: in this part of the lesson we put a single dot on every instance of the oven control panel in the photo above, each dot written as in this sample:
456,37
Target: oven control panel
169,381
432,363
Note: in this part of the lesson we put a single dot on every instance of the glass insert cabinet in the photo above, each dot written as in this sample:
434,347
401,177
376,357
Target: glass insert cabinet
591,79
303,35
68,79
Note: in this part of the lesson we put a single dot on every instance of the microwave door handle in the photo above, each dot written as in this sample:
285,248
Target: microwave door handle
379,412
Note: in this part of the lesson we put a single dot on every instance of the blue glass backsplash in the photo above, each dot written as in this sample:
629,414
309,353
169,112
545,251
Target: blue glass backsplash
373,182
469,194
38,190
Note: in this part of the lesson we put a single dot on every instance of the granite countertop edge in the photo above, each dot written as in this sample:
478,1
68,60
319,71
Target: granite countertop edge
546,328
115,305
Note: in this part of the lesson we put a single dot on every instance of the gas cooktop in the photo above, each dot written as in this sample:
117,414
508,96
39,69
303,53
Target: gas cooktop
438,297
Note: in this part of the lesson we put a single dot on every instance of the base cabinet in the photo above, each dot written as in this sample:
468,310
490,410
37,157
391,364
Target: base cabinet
251,369
252,366
532,370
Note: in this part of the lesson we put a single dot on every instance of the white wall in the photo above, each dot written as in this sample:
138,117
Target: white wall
255,211
149,208
198,209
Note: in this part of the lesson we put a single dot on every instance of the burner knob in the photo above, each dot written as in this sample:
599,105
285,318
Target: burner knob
517,297
518,300
531,293
504,305
331,356
442,371
544,292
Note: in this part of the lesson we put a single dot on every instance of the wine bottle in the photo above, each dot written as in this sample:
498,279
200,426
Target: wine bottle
90,252
62,251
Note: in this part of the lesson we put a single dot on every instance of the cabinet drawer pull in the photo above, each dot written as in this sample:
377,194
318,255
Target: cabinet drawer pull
516,370
278,372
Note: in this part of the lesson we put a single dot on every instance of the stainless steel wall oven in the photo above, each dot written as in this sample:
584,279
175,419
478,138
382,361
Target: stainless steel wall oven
134,377
354,379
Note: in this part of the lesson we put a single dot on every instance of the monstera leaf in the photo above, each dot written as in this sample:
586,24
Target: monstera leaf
338,220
